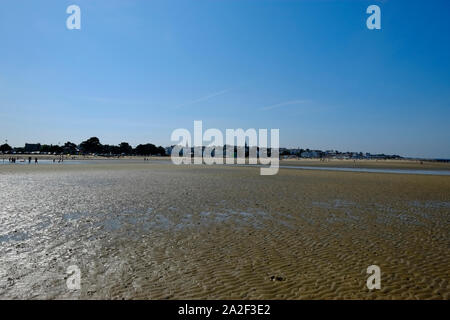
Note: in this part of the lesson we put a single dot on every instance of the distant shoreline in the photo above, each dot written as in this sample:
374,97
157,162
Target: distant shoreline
395,164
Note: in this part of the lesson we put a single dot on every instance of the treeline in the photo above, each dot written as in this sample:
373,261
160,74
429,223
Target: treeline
4,148
92,146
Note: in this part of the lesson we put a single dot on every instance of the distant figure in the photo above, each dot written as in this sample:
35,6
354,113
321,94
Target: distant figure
35,160
29,160
53,160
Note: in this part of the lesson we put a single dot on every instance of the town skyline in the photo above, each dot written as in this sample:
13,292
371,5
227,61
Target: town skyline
126,148
22,146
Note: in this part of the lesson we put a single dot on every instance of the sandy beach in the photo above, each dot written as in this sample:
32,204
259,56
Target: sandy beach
347,163
369,163
153,230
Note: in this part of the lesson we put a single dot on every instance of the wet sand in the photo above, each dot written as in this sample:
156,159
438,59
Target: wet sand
370,164
157,231
339,163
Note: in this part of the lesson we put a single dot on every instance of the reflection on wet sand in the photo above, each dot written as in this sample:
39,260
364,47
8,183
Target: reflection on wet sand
160,231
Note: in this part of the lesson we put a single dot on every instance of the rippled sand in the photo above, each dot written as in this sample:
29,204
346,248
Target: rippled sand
157,231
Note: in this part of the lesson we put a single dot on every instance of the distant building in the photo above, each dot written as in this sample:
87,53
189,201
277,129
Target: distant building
310,154
32,147
168,150
295,151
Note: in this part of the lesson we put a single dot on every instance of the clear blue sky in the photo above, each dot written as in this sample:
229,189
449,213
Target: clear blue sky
137,70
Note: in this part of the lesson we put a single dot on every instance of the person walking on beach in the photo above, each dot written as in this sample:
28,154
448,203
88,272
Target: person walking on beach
29,160
35,160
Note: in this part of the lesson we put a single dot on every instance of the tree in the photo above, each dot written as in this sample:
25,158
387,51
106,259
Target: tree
70,148
125,148
108,149
51,148
146,149
5,148
45,148
161,151
56,149
92,145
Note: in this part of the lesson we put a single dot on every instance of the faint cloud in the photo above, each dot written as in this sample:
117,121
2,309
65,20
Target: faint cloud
286,103
114,100
204,98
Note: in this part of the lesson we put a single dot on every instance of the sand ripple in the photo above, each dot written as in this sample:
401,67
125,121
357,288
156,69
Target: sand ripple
154,231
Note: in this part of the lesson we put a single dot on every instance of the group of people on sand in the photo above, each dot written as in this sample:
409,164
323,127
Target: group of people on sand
30,159
61,159
14,160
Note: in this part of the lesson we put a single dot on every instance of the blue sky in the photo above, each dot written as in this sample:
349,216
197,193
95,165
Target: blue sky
137,70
